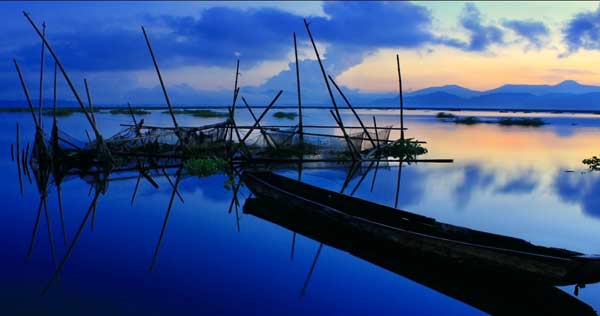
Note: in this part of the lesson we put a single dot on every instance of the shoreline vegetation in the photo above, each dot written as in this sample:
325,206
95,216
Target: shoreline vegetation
505,121
285,115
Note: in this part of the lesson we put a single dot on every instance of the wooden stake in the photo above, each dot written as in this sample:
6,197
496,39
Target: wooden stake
24,86
300,127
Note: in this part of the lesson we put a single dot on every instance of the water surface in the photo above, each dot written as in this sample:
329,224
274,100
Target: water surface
518,181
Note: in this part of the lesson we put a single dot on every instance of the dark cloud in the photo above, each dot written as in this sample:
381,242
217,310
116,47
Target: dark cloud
535,32
480,36
582,31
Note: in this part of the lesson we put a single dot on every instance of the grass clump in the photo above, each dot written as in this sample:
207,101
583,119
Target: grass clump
535,122
403,148
63,112
285,115
126,111
469,120
199,113
205,166
445,115
592,163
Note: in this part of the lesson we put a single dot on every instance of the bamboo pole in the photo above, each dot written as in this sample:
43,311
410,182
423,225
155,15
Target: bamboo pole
398,183
89,97
376,132
54,96
40,102
263,114
162,84
328,87
269,141
166,220
18,149
360,122
237,134
62,69
312,269
24,86
401,99
73,243
35,229
348,140
300,127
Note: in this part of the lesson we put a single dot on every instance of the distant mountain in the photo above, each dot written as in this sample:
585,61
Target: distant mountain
567,86
566,95
450,89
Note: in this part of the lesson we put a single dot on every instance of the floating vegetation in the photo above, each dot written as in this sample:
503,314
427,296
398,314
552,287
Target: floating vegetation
285,115
508,121
16,110
199,113
205,167
62,112
592,163
126,111
406,149
468,120
445,115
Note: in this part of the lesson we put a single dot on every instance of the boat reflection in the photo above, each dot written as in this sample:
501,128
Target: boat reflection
496,294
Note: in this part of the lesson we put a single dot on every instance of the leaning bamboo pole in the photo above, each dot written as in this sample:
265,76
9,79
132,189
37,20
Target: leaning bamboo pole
340,123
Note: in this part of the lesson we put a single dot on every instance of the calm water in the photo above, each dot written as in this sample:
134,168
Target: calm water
517,181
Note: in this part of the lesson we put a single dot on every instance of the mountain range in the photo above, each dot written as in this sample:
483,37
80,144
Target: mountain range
566,95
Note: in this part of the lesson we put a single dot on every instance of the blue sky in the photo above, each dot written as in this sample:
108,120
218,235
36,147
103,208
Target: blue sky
479,45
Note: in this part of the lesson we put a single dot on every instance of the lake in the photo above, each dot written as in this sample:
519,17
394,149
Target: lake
525,182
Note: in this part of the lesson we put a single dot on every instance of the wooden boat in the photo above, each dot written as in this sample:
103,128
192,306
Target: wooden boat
423,236
492,293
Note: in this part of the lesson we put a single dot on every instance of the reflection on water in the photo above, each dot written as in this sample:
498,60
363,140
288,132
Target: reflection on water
193,250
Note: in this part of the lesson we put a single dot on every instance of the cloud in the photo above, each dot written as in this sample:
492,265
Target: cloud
582,32
535,32
480,36
581,189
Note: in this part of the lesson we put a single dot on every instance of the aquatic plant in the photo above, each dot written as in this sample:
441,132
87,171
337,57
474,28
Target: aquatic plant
407,148
62,112
286,115
205,166
126,111
508,121
469,120
445,115
199,113
592,163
